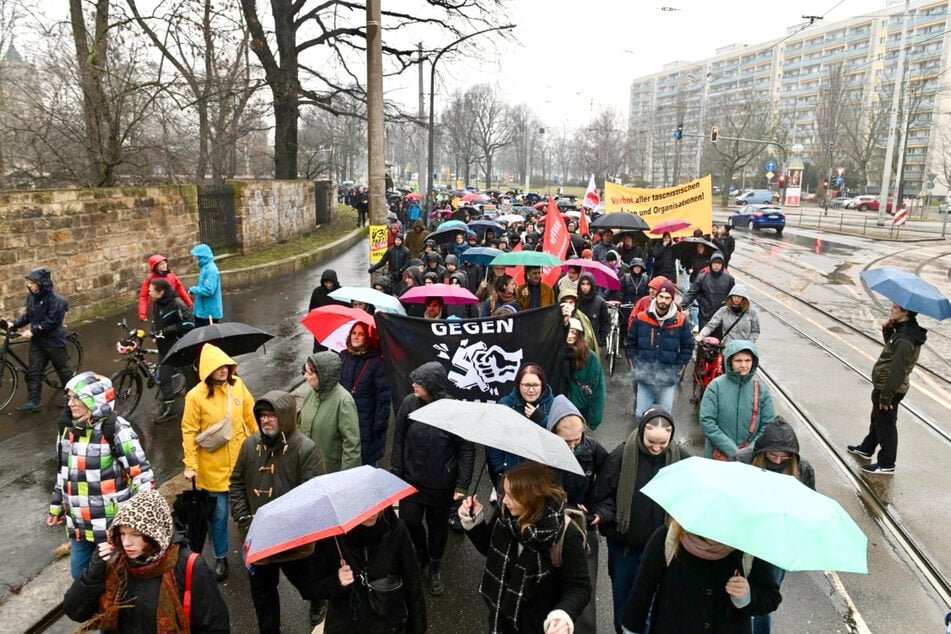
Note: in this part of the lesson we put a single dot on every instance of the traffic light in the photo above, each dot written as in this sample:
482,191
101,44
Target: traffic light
714,133
825,184
781,179
679,132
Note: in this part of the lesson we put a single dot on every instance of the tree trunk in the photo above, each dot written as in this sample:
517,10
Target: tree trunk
488,170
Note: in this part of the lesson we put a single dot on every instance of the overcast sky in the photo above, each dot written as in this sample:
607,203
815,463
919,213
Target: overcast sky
569,59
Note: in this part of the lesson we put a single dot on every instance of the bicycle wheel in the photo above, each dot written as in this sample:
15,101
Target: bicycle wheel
128,388
8,383
74,352
178,383
611,348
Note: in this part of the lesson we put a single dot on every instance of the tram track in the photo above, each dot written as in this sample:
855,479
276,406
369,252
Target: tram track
917,556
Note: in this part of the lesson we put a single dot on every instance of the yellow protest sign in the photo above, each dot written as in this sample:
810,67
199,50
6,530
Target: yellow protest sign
377,243
691,201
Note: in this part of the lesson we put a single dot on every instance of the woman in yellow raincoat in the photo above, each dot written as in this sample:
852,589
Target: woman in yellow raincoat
211,450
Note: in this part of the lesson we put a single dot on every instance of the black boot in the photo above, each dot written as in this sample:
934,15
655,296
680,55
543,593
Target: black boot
436,586
221,568
167,411
318,610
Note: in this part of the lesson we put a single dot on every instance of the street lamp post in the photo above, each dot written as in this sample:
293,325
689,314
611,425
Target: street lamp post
431,163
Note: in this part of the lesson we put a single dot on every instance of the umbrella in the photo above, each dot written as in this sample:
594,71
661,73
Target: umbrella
449,224
331,324
621,221
347,183
687,248
908,291
192,509
413,196
481,226
510,218
771,516
472,196
526,258
380,301
322,507
232,337
447,235
480,255
449,294
501,427
564,203
604,275
671,225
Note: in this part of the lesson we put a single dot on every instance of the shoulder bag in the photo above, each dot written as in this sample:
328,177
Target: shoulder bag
216,435
719,455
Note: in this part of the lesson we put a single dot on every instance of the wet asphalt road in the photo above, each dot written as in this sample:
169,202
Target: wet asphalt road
278,307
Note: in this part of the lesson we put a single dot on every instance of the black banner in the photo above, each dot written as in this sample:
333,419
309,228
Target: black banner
481,356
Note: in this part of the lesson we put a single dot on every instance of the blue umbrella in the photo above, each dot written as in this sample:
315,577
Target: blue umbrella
481,226
908,291
380,301
453,224
322,507
481,255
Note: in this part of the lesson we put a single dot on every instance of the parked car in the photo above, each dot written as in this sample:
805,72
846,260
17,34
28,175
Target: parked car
944,207
755,197
757,217
868,202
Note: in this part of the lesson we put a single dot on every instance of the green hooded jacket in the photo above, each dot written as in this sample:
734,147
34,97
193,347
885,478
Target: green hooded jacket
727,405
329,416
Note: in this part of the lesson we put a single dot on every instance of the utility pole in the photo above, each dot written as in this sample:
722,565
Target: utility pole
376,161
420,117
893,119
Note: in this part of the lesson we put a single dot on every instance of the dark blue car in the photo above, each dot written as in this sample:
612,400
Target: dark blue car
758,217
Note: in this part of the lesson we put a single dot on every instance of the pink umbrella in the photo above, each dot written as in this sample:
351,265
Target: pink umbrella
413,196
471,196
449,294
671,225
604,275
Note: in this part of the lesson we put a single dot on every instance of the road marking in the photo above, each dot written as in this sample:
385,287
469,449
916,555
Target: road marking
858,623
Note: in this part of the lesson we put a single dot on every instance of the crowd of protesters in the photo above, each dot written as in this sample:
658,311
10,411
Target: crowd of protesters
541,538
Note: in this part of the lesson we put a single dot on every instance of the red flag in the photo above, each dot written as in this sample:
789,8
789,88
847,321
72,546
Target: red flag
556,241
517,272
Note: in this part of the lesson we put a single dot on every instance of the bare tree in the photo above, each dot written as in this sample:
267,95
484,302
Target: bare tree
601,146
458,127
492,127
743,115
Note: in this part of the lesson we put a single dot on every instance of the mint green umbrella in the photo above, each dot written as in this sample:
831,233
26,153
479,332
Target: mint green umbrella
526,258
771,516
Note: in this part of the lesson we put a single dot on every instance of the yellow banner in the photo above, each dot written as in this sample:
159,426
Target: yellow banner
377,243
691,202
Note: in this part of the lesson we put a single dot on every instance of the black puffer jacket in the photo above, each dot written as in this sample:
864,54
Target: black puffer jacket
268,468
710,290
664,261
432,460
373,552
596,309
172,318
580,489
45,313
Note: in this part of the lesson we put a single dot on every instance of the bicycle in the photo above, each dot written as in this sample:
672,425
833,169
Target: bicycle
612,348
709,366
127,382
11,365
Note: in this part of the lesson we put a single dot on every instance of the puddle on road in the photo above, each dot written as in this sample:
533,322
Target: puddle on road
839,275
820,246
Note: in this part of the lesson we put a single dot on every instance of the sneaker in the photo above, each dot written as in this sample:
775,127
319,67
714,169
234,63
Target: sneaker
878,469
29,407
856,450
167,411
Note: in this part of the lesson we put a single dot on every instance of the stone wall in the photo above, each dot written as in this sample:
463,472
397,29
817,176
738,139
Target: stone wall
96,242
272,211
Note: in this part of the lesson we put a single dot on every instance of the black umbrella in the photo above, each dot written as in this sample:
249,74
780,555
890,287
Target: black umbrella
620,221
231,336
447,236
191,510
687,248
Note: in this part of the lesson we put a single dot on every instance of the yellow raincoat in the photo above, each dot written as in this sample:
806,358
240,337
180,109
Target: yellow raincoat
214,467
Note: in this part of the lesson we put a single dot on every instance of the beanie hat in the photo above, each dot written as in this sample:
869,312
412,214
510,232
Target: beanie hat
562,407
586,254
667,287
147,512
717,256
567,292
95,391
657,282
575,324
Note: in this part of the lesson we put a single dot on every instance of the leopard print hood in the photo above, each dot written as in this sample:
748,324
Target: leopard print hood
147,512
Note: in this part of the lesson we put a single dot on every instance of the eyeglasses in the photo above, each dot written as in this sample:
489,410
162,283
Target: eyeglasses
267,416
72,398
533,387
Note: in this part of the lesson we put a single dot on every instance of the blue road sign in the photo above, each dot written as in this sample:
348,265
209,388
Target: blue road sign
770,166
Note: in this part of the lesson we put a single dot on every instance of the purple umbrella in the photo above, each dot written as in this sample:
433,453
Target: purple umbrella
449,294
604,276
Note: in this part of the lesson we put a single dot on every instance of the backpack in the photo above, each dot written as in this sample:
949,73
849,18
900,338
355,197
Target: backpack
670,548
574,517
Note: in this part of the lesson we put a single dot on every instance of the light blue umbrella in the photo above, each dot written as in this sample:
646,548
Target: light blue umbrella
381,301
321,507
480,255
453,224
908,291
